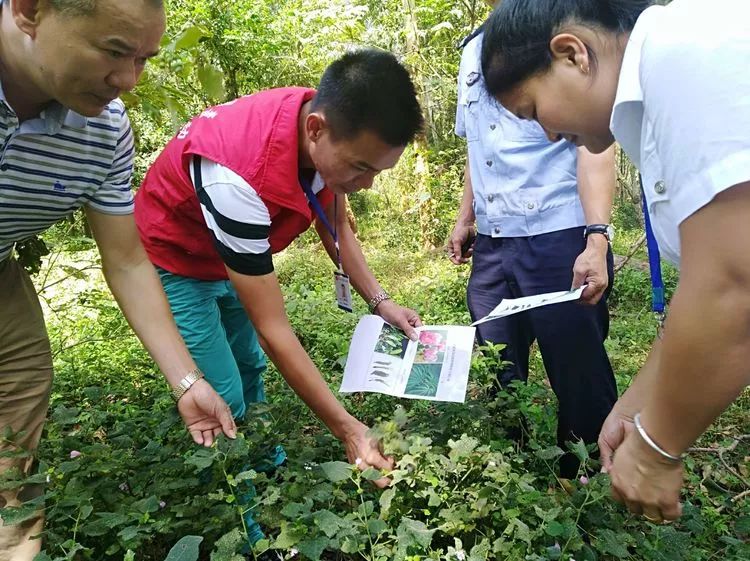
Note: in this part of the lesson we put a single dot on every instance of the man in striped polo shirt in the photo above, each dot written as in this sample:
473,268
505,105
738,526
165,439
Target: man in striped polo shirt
66,143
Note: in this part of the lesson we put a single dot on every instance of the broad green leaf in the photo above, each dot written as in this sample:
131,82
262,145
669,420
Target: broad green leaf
579,449
329,522
227,546
313,548
65,416
12,516
613,543
202,458
385,500
414,532
189,38
149,504
288,537
129,533
250,474
112,519
462,447
371,474
555,529
376,526
336,471
549,453
212,79
480,552
185,550
297,510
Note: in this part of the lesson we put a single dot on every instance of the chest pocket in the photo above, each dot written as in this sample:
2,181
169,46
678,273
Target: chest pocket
484,116
469,104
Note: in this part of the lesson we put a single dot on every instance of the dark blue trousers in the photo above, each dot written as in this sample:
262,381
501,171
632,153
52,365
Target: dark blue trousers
570,335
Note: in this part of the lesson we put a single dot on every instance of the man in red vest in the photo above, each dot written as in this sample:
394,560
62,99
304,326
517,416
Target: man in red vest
240,182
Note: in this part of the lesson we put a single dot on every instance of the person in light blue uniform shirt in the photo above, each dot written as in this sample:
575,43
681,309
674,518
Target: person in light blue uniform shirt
540,227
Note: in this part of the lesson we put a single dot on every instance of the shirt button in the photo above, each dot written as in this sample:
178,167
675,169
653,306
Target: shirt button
530,206
496,230
492,127
489,163
4,167
660,187
490,198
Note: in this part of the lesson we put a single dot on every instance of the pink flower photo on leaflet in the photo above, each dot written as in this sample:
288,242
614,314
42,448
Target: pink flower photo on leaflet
430,338
430,354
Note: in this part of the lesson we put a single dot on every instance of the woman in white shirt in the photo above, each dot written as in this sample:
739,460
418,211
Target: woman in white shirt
672,85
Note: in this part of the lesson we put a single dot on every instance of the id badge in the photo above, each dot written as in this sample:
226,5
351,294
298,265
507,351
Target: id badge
343,290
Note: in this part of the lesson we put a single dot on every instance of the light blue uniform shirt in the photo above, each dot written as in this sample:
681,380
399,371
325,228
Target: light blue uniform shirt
523,184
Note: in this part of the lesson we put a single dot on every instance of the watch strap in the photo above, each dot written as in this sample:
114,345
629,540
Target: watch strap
186,383
603,229
373,302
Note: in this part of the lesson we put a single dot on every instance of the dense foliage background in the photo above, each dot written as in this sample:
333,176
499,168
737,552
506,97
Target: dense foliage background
122,479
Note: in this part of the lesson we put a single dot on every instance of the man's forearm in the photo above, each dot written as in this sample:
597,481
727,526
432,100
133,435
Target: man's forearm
466,210
136,287
597,179
291,360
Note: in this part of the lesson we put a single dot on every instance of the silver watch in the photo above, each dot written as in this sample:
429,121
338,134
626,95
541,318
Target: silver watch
186,383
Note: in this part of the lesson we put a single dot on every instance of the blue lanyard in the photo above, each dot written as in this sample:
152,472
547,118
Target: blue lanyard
654,260
318,209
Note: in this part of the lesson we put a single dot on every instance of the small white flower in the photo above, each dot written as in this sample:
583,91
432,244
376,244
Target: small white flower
492,464
74,454
48,478
293,552
124,487
460,555
357,461
162,504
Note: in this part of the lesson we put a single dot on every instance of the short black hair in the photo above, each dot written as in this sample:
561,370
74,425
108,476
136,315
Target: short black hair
369,89
518,33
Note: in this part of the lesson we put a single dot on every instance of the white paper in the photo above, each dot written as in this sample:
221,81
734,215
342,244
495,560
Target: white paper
383,360
510,306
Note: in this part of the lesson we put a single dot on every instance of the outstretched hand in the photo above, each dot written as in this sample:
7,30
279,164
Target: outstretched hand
206,414
365,452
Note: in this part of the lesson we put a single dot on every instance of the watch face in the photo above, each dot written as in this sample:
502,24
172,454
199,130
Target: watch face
610,233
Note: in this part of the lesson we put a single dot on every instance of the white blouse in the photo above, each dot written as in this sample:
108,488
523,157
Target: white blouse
682,110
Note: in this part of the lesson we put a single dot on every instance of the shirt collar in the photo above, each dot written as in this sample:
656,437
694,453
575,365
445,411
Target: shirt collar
52,117
627,113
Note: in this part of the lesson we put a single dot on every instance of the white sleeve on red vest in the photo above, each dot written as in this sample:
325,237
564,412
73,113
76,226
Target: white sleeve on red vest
237,218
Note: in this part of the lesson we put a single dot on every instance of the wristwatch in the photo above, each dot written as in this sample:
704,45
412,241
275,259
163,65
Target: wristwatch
604,229
186,383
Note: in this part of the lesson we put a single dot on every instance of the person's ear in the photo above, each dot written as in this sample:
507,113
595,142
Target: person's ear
569,49
316,126
26,14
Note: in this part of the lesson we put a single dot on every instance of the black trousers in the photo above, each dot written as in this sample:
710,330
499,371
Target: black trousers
570,335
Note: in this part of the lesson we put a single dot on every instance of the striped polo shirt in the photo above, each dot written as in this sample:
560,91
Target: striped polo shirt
58,162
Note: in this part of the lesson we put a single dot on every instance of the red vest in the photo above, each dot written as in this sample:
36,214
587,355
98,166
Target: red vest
256,137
